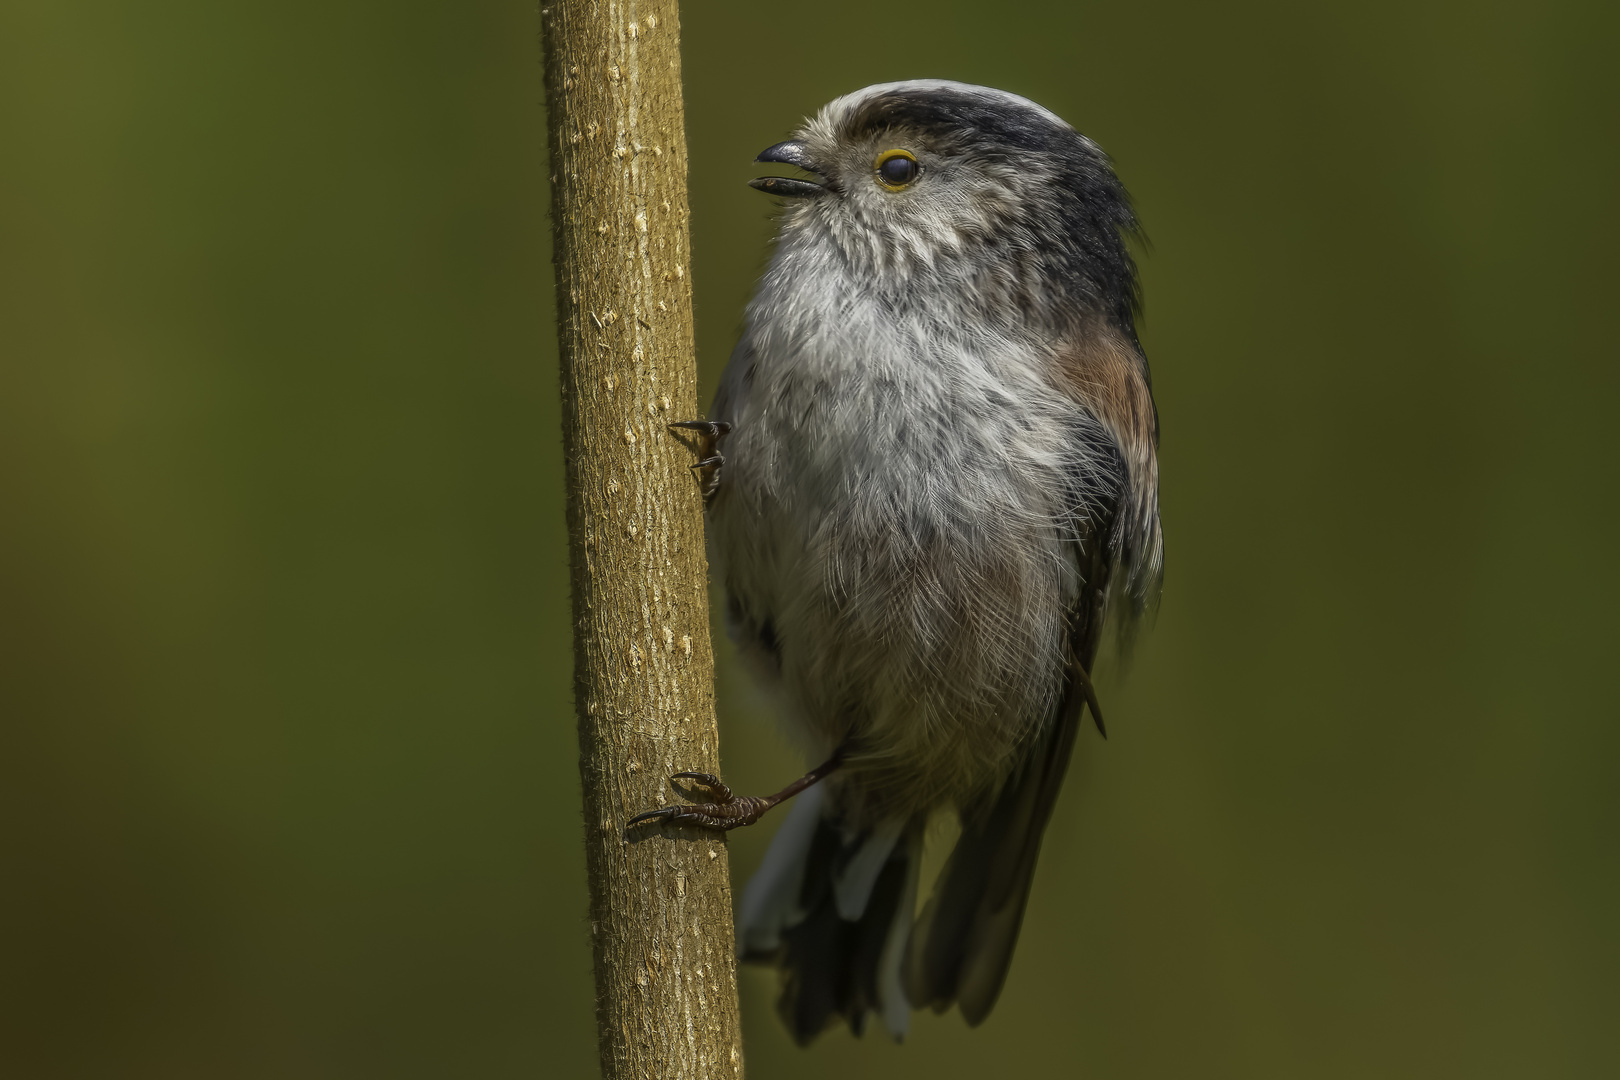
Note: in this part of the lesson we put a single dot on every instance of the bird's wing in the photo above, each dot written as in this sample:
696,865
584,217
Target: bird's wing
1107,375
962,945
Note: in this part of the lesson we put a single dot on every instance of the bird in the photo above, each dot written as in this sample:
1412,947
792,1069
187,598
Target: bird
930,477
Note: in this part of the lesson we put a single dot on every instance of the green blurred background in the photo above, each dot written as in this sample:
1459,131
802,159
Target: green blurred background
287,759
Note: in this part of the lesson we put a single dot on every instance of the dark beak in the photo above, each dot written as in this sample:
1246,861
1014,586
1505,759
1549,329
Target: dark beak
792,153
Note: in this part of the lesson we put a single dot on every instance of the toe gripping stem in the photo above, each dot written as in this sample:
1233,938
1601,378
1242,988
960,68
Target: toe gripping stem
712,428
729,811
708,466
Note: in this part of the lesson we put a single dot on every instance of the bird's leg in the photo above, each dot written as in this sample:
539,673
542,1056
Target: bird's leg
729,811
708,466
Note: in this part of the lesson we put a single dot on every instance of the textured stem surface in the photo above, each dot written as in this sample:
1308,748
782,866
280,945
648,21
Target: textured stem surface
666,977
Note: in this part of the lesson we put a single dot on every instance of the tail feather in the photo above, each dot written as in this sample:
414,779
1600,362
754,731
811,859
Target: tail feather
962,945
770,903
891,992
854,880
833,911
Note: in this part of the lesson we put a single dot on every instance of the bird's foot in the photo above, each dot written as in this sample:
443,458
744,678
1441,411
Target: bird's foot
727,811
713,461
712,428
708,466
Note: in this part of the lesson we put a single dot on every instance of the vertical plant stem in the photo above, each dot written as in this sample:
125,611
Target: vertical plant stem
666,982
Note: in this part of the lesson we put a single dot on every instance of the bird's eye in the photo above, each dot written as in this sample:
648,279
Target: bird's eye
896,169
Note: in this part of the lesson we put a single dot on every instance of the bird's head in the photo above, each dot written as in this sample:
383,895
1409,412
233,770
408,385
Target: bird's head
928,185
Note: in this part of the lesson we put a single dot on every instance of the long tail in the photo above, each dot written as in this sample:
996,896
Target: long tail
963,943
833,910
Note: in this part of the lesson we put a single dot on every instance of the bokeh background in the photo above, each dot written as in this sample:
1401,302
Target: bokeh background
287,758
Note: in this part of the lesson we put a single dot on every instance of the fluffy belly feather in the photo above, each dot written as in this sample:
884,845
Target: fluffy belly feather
902,575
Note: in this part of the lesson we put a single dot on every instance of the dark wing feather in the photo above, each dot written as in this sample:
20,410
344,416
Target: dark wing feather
962,946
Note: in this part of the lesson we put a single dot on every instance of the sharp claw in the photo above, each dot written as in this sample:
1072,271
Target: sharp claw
653,815
692,815
712,428
726,812
708,780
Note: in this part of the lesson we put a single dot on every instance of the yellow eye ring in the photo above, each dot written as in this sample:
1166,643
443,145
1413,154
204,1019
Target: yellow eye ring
895,169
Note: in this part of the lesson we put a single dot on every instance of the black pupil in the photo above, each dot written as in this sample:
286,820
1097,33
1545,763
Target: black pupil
898,170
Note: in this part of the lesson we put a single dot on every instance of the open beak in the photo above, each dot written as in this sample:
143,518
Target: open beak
792,153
